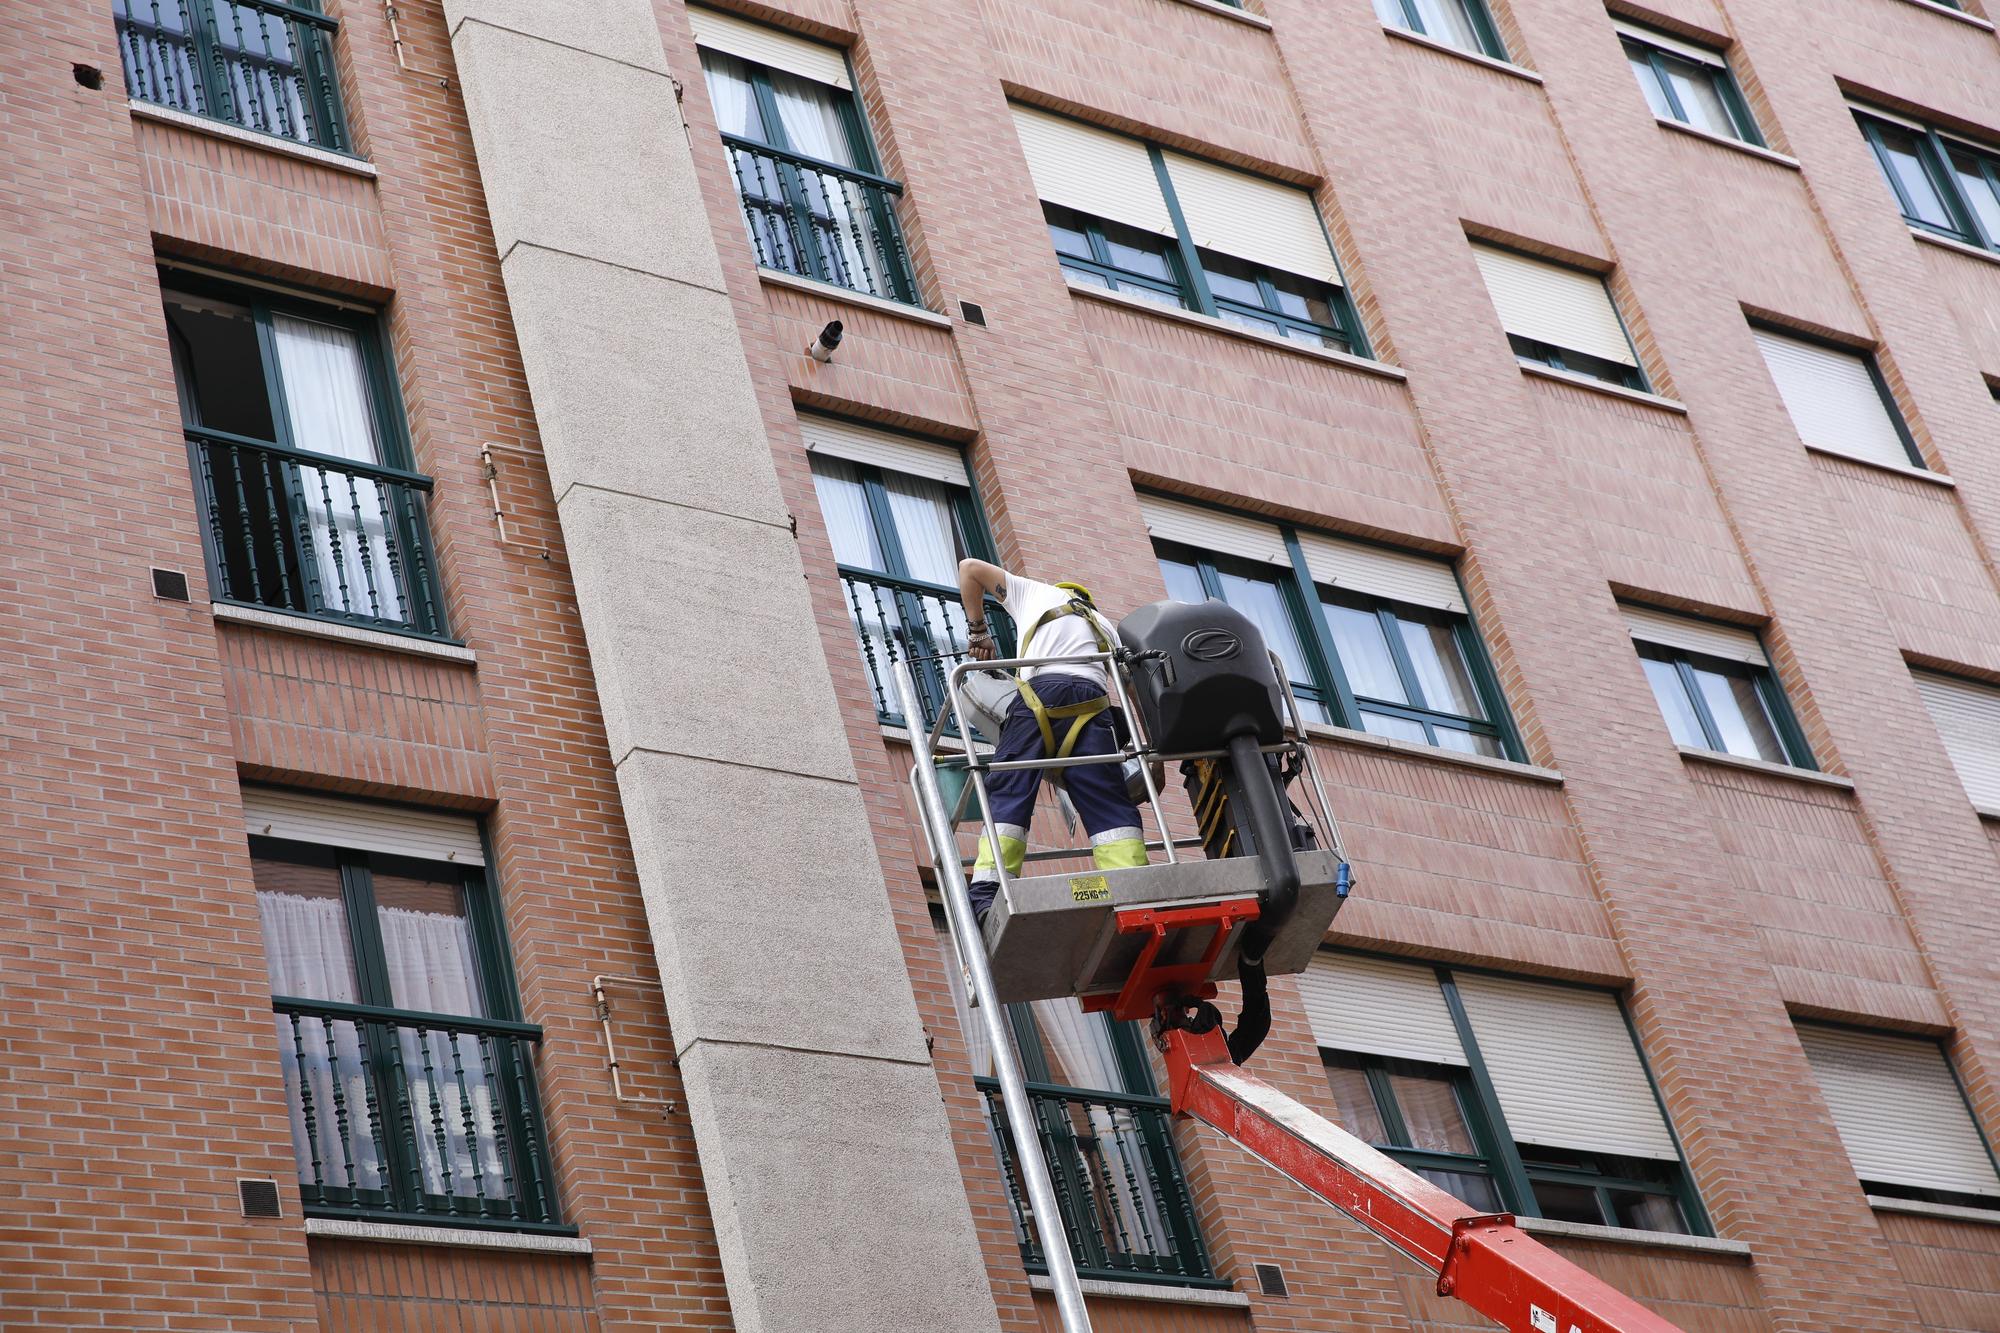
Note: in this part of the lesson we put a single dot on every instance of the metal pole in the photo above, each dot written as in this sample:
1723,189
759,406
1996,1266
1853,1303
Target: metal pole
1013,1090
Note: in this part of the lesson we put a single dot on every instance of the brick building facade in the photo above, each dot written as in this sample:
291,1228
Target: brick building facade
445,598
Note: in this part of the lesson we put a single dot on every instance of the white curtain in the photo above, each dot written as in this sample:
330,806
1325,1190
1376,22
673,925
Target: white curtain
328,408
326,1080
850,527
811,117
730,92
928,533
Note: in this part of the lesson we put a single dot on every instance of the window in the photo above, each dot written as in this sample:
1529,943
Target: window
901,515
409,1074
263,66
814,200
1967,714
1108,1137
1687,83
1903,1116
1943,185
1371,638
1465,24
1131,217
1715,687
1559,316
1837,399
1511,1095
295,434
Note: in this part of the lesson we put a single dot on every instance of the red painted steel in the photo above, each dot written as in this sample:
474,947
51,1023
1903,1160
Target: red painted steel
1148,981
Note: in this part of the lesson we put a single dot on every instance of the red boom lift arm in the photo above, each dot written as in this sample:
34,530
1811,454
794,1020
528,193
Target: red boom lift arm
1485,1261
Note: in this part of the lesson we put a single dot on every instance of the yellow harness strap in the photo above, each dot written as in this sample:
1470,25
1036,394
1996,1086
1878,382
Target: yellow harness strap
1078,714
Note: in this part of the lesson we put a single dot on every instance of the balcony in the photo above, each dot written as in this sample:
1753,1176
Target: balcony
1118,1182
904,620
817,219
314,535
418,1118
262,64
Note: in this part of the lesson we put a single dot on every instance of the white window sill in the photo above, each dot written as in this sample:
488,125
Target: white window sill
1194,317
1709,136
1436,754
1946,11
835,292
1811,775
1231,12
321,629
1599,386
1882,1203
1895,469
392,1233
270,143
1956,247
1476,57
1659,1240
1148,1291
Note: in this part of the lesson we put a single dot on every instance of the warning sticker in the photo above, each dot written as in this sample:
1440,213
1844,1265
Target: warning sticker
1541,1320
1089,889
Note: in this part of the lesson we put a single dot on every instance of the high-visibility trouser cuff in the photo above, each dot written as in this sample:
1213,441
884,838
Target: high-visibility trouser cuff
1013,847
1118,848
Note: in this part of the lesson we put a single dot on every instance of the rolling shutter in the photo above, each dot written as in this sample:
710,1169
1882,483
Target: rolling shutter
1832,398
1899,1111
769,47
366,826
1551,303
1377,1008
1394,575
1251,218
1213,530
1564,1067
1652,37
1968,722
1093,171
1694,636
880,448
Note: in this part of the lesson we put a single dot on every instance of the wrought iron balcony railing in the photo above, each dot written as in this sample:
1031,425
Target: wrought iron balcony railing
316,535
821,220
263,64
904,620
1118,1180
417,1117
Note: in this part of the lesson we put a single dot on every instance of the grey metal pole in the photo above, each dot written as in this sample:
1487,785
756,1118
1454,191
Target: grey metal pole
1013,1089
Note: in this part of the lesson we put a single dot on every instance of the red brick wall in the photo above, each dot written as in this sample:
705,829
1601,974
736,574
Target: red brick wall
1952,1268
369,1287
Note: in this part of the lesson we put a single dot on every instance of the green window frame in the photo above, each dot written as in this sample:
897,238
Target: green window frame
807,186
1434,19
401,1066
1942,185
1668,669
1527,1180
1284,300
263,65
1581,363
1662,65
1321,681
272,499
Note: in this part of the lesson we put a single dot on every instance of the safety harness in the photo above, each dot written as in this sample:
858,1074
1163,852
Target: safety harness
1077,715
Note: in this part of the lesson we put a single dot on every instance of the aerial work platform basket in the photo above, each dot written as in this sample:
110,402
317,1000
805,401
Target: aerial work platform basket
1247,890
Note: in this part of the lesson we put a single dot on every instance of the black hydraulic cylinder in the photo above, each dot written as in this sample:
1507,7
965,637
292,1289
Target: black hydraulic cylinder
1267,819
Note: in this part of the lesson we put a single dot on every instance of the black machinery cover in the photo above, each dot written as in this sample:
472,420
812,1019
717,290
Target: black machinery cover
1202,676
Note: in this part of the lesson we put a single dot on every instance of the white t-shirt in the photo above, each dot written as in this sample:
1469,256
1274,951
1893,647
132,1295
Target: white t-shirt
1026,601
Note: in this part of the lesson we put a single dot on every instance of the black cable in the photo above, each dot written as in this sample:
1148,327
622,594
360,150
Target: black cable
1253,1020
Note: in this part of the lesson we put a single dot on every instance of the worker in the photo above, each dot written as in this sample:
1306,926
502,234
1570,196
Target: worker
1060,711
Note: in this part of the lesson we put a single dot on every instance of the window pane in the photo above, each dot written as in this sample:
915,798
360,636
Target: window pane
1263,603
735,101
1647,1212
1231,280
1682,723
1183,581
1442,673
1448,21
1649,83
1904,164
1387,724
1077,1046
1468,742
1739,715
1354,1101
1568,1203
1364,653
844,504
1431,1113
1069,240
218,366
1138,252
1391,12
810,114
308,949
427,944
926,527
1695,85
1972,183
1466,1186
